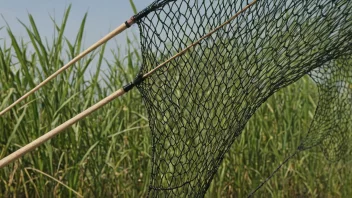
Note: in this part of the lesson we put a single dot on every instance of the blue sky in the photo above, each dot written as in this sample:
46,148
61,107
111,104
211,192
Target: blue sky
103,16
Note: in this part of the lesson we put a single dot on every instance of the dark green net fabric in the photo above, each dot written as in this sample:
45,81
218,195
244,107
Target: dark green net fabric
331,128
200,102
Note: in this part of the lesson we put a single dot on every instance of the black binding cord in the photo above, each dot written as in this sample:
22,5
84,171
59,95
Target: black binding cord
130,22
127,24
135,82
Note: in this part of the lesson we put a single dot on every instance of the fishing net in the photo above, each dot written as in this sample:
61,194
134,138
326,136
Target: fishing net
331,128
200,102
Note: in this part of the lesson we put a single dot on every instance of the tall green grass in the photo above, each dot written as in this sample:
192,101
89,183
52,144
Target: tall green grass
108,153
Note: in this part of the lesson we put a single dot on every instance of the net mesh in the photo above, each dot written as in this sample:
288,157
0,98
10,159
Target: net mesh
200,102
331,128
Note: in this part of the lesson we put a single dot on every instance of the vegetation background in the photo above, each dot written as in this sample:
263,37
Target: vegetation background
108,153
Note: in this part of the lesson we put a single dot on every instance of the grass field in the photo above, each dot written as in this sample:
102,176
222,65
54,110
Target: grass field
108,154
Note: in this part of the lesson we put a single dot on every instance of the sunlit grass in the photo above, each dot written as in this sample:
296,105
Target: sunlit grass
108,153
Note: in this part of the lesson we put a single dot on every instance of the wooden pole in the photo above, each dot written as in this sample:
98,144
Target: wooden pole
115,32
41,140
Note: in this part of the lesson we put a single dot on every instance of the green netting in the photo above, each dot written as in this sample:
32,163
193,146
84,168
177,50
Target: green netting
200,102
331,128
